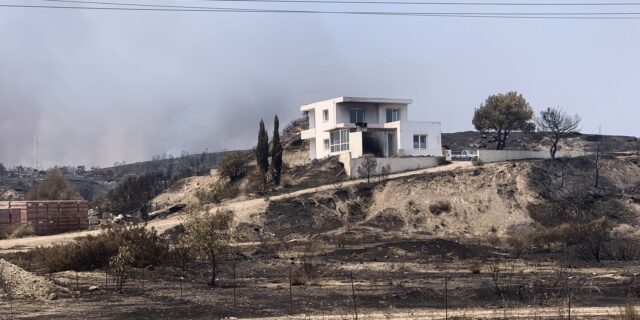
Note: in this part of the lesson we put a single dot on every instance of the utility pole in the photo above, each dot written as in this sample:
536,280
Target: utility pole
35,147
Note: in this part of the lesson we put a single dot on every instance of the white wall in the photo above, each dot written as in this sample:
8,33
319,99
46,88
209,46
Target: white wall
505,155
355,144
396,164
405,139
322,128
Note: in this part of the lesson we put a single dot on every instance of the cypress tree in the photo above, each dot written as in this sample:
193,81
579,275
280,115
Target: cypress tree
276,152
262,149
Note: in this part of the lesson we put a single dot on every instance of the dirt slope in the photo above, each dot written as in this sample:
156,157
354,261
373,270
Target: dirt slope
495,199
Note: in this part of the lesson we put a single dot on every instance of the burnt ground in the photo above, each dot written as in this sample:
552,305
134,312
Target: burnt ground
392,275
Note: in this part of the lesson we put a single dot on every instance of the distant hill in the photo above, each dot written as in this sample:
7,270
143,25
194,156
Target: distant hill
94,183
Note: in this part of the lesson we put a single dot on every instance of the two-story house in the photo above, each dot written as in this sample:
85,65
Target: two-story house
377,126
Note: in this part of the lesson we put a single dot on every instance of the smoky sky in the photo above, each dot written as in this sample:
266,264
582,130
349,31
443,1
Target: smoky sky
102,87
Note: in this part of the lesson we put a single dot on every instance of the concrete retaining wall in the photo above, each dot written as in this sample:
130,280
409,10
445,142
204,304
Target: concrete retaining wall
506,155
395,164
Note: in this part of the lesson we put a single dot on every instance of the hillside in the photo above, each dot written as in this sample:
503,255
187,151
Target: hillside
540,141
497,199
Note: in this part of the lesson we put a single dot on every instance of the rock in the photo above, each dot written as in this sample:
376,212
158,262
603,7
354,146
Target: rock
52,296
93,288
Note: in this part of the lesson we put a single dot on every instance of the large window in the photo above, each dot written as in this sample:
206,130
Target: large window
356,115
393,115
419,141
325,115
340,140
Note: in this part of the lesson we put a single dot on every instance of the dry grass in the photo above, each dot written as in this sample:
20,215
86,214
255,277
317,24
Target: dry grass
629,312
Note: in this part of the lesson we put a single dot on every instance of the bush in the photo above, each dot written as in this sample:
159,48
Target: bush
590,238
16,231
477,162
92,252
440,206
629,312
217,191
233,166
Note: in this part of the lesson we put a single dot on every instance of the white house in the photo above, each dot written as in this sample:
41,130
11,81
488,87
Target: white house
378,126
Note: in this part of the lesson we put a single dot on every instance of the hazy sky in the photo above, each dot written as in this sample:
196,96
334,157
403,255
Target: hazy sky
111,86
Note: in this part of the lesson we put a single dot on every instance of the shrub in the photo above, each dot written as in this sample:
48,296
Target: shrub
440,206
217,191
233,166
591,238
92,252
629,312
120,265
477,162
15,231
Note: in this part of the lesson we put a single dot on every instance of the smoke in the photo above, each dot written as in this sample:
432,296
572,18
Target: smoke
102,87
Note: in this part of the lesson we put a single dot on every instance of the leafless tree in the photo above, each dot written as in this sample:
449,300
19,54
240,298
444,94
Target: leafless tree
559,123
368,167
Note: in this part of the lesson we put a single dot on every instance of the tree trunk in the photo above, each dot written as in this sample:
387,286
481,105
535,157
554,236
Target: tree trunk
554,147
213,269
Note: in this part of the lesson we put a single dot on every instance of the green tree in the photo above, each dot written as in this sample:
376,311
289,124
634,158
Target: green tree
53,187
208,234
276,152
3,170
262,152
559,123
233,165
502,114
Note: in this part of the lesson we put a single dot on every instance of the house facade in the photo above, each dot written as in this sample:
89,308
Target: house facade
377,126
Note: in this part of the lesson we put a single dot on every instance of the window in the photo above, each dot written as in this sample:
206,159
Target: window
325,115
326,144
340,140
419,141
356,115
393,115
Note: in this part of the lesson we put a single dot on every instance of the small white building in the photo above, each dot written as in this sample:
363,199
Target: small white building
377,126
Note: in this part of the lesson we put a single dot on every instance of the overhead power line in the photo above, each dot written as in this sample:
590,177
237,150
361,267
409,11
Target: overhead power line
438,3
134,4
118,6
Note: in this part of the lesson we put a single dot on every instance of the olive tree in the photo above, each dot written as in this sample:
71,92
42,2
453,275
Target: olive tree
208,234
559,123
502,114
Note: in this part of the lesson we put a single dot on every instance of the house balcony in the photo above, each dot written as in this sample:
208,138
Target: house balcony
308,134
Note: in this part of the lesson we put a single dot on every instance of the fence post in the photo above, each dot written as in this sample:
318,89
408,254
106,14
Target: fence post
234,286
569,304
290,292
446,299
353,296
106,277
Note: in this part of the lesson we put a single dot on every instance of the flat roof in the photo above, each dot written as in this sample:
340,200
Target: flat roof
358,99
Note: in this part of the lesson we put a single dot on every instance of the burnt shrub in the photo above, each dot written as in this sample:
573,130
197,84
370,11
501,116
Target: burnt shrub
440,206
93,252
217,191
233,166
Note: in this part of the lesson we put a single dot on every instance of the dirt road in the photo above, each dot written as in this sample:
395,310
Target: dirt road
243,210
474,313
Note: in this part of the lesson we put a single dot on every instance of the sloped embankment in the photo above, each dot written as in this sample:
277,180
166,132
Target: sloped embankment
475,202
20,283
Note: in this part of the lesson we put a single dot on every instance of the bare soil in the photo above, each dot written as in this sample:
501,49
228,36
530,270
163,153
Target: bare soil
397,241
